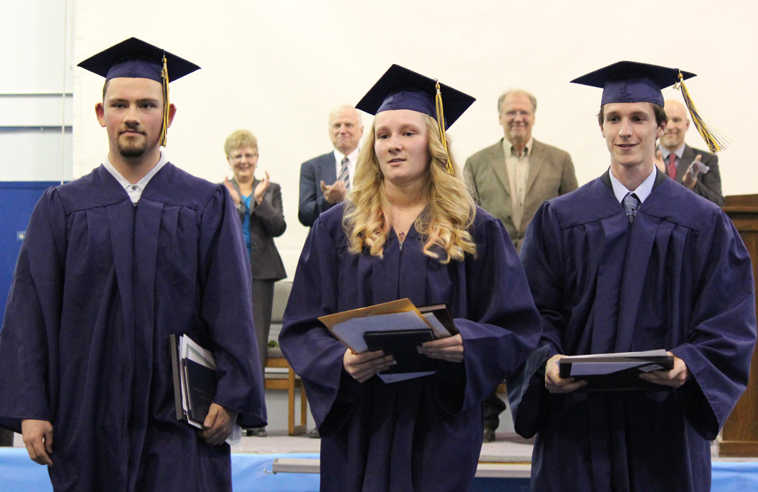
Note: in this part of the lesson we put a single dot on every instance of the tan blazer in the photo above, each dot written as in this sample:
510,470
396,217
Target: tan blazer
551,173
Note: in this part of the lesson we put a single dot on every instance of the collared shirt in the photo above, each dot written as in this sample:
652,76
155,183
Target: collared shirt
517,167
643,190
134,190
665,152
352,159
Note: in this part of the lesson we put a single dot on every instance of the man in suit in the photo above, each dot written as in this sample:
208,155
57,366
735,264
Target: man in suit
678,157
510,180
320,187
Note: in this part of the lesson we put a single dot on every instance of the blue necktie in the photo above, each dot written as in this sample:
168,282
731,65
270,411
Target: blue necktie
631,204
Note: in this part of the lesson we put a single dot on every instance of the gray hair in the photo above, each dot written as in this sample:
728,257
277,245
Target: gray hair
505,94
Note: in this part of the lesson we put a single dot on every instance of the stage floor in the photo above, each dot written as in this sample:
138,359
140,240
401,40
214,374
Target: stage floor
502,467
508,448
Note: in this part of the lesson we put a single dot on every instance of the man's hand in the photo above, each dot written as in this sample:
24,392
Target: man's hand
217,425
554,383
38,439
448,348
363,366
690,177
261,188
334,193
674,378
232,192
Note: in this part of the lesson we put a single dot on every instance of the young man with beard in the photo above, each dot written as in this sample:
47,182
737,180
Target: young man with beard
112,264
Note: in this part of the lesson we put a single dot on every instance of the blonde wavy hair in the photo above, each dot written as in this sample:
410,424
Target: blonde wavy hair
449,213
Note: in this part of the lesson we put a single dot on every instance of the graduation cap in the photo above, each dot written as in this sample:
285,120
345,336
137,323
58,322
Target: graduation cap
136,58
400,88
628,81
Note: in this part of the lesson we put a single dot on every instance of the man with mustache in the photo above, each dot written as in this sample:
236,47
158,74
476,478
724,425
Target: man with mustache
510,180
112,264
678,157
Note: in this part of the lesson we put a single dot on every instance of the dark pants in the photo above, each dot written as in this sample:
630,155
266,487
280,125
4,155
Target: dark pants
263,299
6,437
491,408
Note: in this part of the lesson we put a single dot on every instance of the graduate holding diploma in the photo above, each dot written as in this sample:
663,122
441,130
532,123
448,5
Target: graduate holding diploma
633,261
112,264
408,229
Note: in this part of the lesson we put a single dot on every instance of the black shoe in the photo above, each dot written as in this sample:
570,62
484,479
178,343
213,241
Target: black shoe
489,434
256,432
313,433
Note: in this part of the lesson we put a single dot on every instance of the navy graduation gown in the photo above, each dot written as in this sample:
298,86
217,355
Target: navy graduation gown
99,285
422,434
678,278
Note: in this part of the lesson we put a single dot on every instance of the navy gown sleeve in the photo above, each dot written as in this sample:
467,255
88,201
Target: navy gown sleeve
226,309
500,327
32,318
314,354
720,342
526,391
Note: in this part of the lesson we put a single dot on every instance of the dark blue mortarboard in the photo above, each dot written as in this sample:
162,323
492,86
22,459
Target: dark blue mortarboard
400,88
136,58
627,81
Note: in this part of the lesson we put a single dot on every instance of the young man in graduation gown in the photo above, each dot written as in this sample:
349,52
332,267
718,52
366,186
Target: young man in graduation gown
113,263
634,261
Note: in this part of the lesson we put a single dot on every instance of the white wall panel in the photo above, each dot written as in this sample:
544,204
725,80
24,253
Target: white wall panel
35,91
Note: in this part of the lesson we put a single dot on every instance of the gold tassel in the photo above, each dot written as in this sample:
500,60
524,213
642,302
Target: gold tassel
441,124
164,84
714,142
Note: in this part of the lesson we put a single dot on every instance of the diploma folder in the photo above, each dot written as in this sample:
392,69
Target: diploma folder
397,327
193,370
616,372
403,345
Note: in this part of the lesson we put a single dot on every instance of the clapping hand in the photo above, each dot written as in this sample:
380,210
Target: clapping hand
232,192
261,188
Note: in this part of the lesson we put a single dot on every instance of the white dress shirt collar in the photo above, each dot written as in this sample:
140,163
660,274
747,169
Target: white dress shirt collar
134,190
665,152
643,190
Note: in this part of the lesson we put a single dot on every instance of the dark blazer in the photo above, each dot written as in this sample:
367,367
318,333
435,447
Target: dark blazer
708,185
312,201
266,223
551,173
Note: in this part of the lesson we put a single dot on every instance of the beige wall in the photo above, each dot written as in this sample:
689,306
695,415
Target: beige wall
277,67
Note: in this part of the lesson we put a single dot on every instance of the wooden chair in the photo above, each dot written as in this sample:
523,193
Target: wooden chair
278,374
